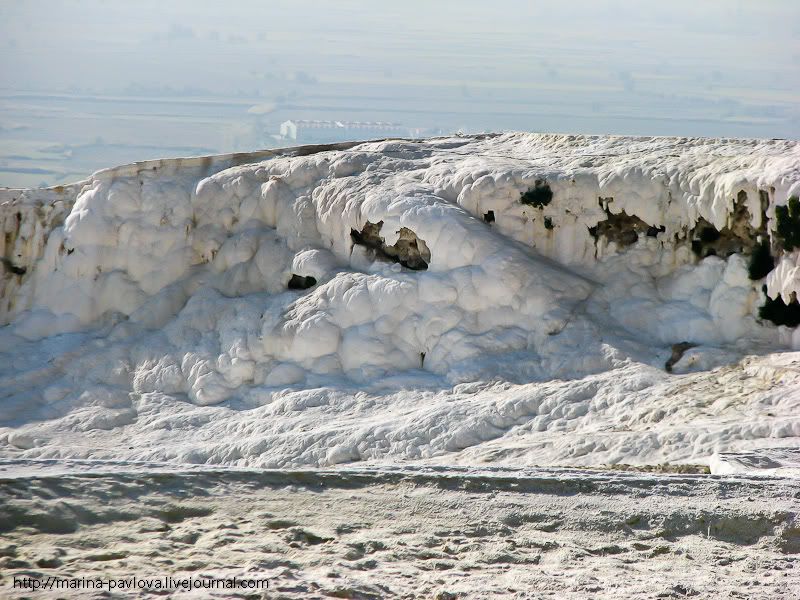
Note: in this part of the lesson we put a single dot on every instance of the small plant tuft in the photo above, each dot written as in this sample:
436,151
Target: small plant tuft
539,196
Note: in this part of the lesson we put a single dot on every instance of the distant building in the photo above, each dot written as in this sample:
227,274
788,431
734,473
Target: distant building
336,131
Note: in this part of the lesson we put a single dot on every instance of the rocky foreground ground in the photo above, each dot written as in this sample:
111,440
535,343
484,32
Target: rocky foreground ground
406,533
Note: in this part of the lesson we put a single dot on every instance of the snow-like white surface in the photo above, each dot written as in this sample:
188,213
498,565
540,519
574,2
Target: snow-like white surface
154,322
767,461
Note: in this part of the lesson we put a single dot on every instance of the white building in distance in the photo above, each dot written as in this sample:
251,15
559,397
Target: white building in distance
334,131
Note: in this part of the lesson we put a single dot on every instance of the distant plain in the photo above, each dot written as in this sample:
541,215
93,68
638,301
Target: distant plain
88,85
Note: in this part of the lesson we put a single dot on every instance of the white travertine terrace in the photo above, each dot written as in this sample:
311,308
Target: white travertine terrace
168,280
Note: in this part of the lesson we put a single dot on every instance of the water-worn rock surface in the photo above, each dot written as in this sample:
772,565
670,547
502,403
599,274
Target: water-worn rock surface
498,298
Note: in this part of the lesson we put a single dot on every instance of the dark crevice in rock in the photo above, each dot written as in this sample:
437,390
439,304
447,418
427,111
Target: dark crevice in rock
788,224
740,219
737,237
708,241
677,354
409,250
709,235
369,236
761,262
621,228
538,196
489,217
779,312
700,252
548,223
12,268
301,282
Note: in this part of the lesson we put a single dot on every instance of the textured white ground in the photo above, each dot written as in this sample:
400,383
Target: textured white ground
153,325
406,532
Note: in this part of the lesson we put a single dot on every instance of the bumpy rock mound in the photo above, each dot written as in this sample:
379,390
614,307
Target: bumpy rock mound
308,273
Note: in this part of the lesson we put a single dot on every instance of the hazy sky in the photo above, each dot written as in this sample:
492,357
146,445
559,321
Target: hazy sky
106,45
75,71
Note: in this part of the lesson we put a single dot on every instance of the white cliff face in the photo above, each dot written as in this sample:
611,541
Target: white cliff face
447,289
